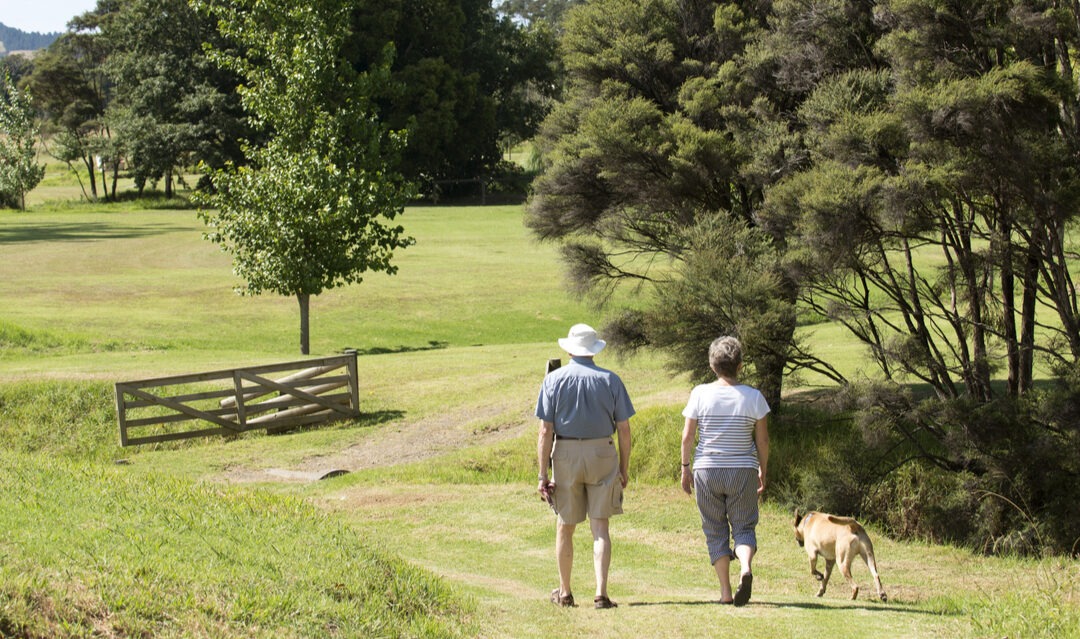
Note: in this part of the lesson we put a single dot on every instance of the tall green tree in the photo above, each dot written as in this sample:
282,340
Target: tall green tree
172,107
463,79
932,217
930,213
313,208
19,169
649,178
72,91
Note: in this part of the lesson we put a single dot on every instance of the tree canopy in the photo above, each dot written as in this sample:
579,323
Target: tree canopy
313,207
905,168
463,79
19,169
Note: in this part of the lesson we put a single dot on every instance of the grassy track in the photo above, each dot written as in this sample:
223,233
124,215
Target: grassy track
451,353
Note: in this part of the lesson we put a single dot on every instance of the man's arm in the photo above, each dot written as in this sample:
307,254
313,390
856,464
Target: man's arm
544,441
623,429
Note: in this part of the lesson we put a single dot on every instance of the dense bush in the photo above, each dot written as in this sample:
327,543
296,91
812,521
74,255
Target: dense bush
999,477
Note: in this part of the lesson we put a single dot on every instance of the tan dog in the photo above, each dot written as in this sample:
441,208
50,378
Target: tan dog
836,539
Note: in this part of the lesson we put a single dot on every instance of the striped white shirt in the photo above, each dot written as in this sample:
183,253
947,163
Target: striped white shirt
725,416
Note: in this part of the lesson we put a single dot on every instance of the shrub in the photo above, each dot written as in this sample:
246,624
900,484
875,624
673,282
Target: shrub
994,476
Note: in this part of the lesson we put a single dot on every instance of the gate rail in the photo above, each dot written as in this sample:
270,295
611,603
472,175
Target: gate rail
236,400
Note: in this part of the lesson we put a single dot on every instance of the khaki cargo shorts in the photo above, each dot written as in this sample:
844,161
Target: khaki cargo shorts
586,476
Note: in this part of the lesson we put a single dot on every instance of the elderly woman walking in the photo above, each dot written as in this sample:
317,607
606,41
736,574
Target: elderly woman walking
730,424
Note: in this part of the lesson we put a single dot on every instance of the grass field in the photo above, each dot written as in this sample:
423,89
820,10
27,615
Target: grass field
434,532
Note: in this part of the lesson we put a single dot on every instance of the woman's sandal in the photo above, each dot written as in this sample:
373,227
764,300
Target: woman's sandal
565,601
742,593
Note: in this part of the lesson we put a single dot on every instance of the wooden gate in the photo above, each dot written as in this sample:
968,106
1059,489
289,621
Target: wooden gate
234,401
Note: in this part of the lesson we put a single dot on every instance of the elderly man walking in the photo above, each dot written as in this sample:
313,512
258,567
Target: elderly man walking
580,407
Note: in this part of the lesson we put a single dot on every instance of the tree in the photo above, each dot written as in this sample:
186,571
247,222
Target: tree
961,150
19,169
463,78
172,107
649,177
72,91
311,210
930,213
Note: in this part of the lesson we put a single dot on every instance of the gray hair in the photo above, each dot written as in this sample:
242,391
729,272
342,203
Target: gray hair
725,356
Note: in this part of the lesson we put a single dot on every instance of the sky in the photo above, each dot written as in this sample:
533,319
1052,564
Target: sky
43,16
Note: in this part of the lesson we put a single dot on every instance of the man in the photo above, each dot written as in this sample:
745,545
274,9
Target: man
580,407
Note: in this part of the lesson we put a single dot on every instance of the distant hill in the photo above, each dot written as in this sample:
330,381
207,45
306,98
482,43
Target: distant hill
19,40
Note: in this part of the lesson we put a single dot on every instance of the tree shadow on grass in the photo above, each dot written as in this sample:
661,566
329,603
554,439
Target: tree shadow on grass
432,345
89,232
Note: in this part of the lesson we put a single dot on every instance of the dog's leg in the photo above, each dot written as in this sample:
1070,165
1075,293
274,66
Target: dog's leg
813,567
871,563
845,569
829,563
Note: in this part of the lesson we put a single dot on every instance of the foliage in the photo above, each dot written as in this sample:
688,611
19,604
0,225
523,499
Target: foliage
312,209
172,107
17,66
912,166
644,174
19,170
917,225
463,81
18,40
532,12
72,91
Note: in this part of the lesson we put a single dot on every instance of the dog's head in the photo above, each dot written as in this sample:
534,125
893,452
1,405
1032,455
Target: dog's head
799,538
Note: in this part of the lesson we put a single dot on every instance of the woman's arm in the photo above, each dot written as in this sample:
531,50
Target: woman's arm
761,440
689,434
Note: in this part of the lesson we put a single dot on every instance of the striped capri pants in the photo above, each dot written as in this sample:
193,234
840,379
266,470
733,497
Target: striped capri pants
728,502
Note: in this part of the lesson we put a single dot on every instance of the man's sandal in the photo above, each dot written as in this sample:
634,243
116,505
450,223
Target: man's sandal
564,601
602,603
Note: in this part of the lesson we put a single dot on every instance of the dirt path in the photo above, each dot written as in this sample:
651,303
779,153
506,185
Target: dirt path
401,443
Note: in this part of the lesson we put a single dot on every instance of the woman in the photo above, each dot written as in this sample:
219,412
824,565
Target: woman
730,424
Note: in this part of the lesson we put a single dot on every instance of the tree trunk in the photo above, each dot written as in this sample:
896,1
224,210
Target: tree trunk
1008,306
1028,308
115,177
305,335
90,169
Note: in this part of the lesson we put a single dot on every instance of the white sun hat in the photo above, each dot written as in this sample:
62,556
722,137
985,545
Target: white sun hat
582,341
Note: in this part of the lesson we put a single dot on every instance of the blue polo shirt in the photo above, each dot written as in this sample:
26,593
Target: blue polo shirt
583,400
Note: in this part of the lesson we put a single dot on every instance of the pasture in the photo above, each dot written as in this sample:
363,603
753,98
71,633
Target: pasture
435,530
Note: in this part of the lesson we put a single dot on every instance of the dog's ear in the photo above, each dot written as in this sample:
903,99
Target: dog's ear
798,517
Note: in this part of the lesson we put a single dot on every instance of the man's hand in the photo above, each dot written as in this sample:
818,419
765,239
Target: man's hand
546,488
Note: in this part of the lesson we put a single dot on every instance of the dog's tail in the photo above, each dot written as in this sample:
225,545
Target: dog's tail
847,521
